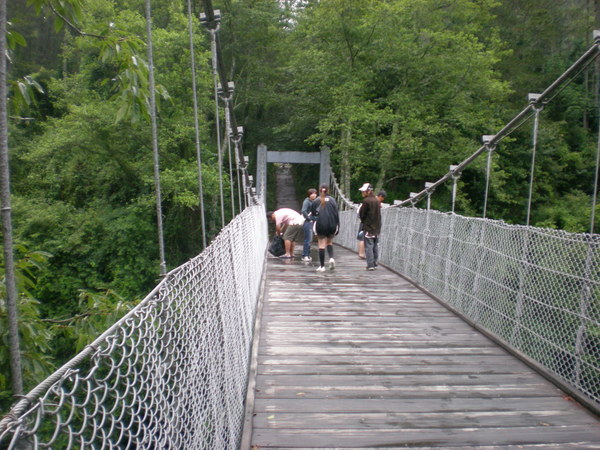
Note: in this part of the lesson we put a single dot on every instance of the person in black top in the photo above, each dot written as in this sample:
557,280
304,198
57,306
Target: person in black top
308,223
360,237
327,225
370,217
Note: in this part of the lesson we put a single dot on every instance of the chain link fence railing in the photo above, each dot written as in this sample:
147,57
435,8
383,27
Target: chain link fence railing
172,374
535,289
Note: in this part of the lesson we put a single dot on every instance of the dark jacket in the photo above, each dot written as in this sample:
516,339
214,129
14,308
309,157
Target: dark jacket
328,218
370,215
306,209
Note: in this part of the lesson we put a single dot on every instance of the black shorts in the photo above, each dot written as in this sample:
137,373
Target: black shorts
325,231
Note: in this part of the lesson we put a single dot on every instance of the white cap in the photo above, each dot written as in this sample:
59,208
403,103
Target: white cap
366,187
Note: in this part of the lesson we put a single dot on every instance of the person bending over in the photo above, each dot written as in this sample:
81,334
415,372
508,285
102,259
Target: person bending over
288,223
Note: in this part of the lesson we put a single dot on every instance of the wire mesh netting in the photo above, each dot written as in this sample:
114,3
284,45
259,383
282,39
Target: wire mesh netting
172,373
536,289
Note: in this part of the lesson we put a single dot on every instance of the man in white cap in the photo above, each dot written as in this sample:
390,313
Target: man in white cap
370,217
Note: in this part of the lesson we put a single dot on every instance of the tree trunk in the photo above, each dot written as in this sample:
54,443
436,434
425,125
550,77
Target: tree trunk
345,160
9,266
385,161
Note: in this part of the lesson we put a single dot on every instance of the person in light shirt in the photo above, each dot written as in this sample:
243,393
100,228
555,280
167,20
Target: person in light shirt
288,224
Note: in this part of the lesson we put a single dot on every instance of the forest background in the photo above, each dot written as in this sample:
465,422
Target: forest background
397,89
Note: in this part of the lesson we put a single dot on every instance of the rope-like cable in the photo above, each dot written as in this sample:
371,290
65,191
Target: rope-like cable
488,175
569,75
344,202
554,89
536,123
196,125
595,194
161,244
229,157
455,178
239,181
213,47
211,21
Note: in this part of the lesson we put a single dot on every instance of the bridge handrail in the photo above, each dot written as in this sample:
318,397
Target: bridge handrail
188,339
344,202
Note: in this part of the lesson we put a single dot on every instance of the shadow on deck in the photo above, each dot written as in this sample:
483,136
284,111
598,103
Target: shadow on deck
357,359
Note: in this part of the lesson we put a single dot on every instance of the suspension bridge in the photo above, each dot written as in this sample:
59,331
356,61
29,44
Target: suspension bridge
355,360
473,333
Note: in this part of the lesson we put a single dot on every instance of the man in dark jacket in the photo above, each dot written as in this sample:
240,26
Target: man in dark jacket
309,220
370,217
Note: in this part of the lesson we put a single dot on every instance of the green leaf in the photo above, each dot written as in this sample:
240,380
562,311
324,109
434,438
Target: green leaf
13,39
58,24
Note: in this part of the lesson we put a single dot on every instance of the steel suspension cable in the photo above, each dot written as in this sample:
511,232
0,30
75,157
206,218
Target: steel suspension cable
196,125
566,77
213,47
161,244
455,176
488,175
536,123
239,181
211,22
229,156
595,190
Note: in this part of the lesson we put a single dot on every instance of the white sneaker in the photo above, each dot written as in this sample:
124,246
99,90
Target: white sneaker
306,259
321,269
331,263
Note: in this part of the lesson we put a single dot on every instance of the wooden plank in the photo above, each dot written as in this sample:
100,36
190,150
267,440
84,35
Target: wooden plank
302,370
320,319
392,350
361,340
360,421
297,333
390,360
356,327
383,392
433,437
418,405
350,359
401,380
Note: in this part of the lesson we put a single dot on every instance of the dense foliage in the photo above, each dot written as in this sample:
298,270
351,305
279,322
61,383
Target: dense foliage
398,89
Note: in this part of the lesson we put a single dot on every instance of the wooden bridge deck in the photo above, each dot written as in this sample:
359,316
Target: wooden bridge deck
357,359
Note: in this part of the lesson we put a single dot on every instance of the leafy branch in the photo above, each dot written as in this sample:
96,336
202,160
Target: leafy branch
130,83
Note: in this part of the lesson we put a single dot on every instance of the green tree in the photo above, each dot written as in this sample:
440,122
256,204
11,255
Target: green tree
404,85
82,178
35,334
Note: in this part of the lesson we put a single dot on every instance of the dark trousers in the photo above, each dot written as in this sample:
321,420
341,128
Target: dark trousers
372,250
308,236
